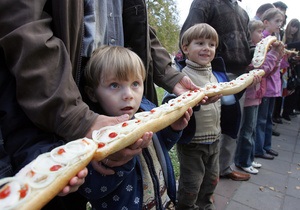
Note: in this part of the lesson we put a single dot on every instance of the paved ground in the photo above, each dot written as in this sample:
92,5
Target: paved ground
276,186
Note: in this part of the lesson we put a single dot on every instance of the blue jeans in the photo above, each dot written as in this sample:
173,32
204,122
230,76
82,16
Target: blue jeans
264,126
244,155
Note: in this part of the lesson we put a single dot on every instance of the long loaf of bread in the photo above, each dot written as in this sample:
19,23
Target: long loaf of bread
42,179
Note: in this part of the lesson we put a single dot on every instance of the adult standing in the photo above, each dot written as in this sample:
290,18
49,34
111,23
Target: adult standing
231,23
41,61
261,9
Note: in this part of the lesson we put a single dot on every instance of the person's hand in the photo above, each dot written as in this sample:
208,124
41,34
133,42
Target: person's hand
184,85
74,183
123,156
256,80
182,122
213,99
102,121
203,101
278,46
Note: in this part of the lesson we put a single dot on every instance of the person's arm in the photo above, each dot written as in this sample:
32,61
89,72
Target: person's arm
45,88
292,45
164,74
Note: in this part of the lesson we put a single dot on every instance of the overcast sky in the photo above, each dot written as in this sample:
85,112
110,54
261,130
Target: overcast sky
250,6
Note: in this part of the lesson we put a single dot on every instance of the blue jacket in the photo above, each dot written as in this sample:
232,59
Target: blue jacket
125,187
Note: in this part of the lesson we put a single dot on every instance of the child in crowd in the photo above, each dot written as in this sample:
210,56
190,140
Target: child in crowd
198,149
272,19
114,78
244,156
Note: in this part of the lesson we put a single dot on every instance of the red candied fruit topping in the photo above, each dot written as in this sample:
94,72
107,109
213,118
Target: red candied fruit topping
179,100
101,144
138,121
189,94
23,191
5,192
55,168
124,124
214,86
152,110
113,135
61,151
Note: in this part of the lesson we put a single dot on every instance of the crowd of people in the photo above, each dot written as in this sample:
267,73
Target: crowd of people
61,62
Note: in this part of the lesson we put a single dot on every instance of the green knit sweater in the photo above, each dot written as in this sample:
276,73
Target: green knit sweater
208,127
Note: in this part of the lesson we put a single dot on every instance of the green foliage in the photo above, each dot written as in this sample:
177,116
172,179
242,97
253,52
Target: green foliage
175,162
164,18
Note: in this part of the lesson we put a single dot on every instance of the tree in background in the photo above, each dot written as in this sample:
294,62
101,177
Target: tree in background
164,18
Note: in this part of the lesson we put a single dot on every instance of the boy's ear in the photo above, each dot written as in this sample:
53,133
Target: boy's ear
91,93
184,49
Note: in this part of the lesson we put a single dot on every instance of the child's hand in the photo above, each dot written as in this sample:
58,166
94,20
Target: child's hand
278,46
256,80
74,183
213,99
123,156
183,121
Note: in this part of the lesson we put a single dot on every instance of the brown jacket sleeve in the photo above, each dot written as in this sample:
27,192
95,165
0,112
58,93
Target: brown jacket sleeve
40,63
164,74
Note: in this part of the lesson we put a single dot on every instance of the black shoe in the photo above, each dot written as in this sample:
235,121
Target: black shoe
265,156
286,117
275,133
272,152
277,120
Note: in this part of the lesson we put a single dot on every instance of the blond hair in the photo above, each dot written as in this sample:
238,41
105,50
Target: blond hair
201,30
255,24
113,60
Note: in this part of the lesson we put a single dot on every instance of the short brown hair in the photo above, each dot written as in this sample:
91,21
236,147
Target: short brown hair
201,30
115,60
255,24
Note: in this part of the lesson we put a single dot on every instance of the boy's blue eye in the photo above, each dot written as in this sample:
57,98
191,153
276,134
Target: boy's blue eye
114,85
135,84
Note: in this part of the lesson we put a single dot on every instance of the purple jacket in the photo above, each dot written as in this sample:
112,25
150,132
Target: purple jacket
255,93
272,69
